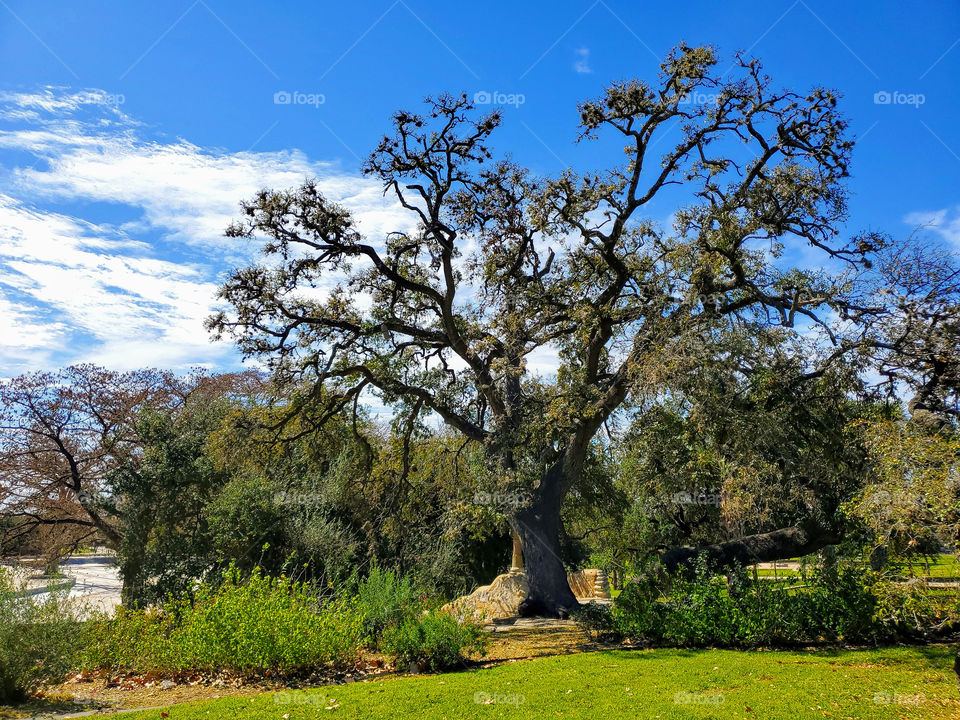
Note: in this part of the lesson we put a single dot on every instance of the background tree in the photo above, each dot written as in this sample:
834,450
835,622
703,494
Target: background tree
61,434
233,477
758,436
442,319
912,316
164,493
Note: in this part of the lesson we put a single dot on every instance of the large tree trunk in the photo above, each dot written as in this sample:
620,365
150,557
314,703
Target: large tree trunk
538,527
766,547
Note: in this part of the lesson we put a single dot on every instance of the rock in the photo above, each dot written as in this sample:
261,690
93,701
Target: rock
499,599
168,685
502,598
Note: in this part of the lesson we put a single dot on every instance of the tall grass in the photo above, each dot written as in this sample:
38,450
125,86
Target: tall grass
386,598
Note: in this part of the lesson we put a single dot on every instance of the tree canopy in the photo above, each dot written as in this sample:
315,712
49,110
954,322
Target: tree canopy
498,265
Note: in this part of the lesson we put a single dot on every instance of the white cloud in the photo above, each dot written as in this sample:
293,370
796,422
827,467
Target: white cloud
189,192
135,293
122,310
131,293
582,64
544,361
945,222
21,331
51,101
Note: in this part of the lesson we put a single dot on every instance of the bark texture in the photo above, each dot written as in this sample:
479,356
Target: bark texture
538,527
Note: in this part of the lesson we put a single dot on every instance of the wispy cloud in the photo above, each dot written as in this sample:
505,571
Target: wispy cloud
111,242
945,223
74,293
582,63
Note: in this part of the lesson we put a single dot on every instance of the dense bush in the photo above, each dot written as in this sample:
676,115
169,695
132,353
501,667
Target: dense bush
397,621
248,626
596,620
209,483
38,640
830,604
433,640
386,598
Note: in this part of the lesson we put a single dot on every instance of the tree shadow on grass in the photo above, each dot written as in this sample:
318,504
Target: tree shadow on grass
942,655
34,706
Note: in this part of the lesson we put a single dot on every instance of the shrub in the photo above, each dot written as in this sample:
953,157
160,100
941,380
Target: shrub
596,620
39,641
385,598
830,604
260,623
841,604
130,640
433,640
248,626
638,612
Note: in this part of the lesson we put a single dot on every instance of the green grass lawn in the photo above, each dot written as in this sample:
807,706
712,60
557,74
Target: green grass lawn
944,567
888,683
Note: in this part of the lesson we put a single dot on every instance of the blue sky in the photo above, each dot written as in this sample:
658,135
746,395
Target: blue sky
129,131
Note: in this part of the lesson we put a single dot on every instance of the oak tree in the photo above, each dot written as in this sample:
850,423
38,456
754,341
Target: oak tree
443,318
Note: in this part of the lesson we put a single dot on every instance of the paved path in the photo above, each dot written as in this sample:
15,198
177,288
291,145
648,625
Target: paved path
95,582
778,566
